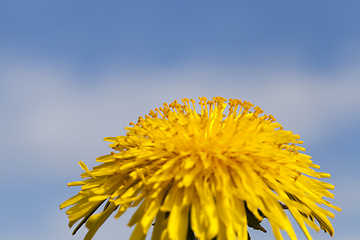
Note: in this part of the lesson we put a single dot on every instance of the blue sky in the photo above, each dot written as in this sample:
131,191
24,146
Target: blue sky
72,73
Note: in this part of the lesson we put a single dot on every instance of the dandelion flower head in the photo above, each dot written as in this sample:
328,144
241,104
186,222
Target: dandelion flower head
213,173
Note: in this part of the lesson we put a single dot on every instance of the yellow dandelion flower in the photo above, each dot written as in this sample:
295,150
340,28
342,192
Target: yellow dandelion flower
205,172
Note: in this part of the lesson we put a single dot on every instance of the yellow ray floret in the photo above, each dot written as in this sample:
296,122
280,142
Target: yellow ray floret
205,173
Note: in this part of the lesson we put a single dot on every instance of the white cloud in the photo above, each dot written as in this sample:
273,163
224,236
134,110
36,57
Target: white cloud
59,118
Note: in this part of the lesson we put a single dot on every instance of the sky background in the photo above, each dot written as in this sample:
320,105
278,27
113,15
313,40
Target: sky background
74,72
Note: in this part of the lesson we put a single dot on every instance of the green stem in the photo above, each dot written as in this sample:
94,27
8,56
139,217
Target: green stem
191,235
